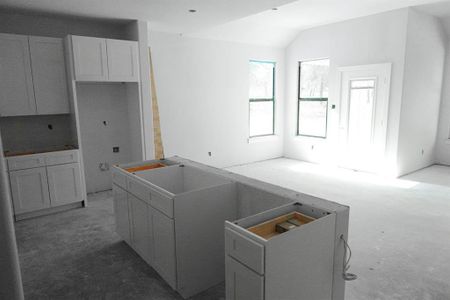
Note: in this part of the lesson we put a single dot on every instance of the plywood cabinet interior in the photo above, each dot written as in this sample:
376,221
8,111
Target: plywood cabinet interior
49,75
16,83
29,190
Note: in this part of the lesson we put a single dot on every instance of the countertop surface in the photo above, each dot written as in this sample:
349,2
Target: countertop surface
42,150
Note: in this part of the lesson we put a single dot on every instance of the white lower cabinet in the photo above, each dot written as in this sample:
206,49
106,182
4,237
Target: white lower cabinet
164,246
242,283
45,180
64,183
139,225
121,212
29,190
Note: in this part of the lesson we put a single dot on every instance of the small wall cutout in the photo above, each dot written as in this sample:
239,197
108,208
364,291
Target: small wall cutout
50,126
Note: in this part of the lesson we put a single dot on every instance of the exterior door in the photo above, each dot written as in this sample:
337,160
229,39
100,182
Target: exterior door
64,183
363,116
29,189
16,83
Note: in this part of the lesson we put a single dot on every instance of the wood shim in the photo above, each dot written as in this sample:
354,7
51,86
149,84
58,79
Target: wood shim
159,150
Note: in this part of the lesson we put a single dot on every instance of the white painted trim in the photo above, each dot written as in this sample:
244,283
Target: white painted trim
261,139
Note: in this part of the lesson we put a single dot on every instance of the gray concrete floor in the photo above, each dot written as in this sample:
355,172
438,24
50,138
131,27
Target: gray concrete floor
399,229
77,255
399,234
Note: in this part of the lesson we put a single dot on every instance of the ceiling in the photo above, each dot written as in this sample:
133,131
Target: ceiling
162,15
247,21
280,27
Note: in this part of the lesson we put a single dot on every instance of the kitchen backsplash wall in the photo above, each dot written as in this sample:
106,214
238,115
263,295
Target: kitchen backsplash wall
33,133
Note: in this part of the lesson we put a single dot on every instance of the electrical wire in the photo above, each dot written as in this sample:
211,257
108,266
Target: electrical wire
346,262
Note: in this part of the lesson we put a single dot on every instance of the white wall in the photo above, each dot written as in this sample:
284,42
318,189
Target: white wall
98,102
443,136
202,89
424,65
375,39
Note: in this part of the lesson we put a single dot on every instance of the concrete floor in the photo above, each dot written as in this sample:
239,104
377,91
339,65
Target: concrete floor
399,234
399,229
77,255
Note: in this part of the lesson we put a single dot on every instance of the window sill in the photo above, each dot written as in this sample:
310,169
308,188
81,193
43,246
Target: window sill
308,137
261,139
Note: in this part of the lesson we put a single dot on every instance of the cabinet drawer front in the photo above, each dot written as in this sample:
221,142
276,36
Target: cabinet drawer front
25,162
139,190
162,203
119,179
60,158
245,250
241,282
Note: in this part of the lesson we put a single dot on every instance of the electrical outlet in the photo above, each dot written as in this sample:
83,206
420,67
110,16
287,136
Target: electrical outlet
104,166
116,149
209,154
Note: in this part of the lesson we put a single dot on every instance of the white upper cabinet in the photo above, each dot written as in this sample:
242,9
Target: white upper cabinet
49,75
89,58
97,59
122,60
16,83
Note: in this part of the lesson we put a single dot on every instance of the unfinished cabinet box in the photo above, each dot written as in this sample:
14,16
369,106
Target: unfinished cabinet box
121,213
273,261
98,59
188,208
16,83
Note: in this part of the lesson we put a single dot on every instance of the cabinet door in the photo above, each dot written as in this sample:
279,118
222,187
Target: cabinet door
139,224
164,247
89,55
122,60
241,282
121,213
64,182
16,84
49,75
29,189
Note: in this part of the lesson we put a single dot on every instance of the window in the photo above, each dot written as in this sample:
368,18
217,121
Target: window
313,98
262,98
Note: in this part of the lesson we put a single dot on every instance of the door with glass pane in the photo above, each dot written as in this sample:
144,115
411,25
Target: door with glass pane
363,116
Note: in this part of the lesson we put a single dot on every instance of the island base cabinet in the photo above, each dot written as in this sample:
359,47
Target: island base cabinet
242,283
121,212
141,236
164,246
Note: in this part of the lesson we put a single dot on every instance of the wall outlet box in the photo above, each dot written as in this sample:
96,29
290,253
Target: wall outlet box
116,149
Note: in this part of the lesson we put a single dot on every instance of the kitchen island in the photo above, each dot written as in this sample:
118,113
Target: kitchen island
198,226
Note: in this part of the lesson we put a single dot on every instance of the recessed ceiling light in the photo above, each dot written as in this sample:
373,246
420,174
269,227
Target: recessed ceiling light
192,10
274,8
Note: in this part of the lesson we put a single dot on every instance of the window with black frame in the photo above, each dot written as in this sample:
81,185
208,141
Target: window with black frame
261,98
312,110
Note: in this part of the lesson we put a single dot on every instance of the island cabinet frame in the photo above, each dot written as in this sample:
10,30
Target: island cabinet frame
182,235
185,228
296,264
